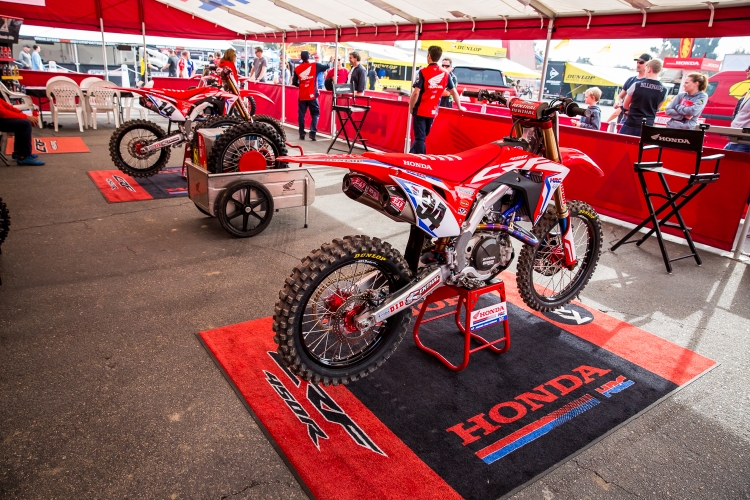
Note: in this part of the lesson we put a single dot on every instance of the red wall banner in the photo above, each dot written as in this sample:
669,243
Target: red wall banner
714,214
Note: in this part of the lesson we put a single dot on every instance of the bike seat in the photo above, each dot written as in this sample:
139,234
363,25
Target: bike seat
453,168
183,94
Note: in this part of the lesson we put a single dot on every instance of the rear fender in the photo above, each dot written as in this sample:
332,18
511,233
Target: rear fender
573,158
255,94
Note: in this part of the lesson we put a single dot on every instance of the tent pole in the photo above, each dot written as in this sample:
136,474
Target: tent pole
413,74
104,50
546,58
335,80
283,82
247,61
145,59
75,55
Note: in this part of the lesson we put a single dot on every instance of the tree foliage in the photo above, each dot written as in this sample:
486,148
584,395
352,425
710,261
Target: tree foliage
670,48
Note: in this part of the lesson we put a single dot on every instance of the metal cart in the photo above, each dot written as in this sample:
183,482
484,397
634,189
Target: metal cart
244,202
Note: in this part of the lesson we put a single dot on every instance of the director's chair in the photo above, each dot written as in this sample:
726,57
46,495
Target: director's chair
345,105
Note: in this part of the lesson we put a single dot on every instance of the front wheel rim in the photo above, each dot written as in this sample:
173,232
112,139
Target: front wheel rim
549,275
131,142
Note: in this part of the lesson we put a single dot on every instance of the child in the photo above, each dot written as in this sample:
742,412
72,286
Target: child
591,97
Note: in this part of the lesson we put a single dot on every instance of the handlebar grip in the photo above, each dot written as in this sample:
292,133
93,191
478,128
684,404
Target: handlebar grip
572,109
470,93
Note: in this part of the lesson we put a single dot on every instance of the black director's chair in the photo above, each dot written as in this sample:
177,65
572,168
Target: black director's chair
345,105
685,140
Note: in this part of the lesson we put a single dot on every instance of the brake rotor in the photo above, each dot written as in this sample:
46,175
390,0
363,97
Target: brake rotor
553,260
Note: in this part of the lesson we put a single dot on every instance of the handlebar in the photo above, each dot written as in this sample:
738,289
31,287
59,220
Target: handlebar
564,105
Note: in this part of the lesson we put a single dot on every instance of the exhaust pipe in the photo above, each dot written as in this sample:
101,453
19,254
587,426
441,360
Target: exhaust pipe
388,200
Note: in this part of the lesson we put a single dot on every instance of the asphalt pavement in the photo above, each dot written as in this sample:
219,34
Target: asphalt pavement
107,393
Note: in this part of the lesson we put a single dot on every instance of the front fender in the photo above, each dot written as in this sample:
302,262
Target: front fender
573,158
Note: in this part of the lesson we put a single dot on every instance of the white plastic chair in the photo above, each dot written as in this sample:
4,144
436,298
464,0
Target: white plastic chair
102,98
66,97
88,81
13,98
60,79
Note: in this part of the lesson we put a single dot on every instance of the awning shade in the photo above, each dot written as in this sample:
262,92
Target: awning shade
586,74
120,16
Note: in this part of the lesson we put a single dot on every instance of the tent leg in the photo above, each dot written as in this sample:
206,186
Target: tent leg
335,80
104,50
247,61
413,75
550,26
283,83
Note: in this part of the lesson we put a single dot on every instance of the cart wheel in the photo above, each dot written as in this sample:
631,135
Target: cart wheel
245,208
204,212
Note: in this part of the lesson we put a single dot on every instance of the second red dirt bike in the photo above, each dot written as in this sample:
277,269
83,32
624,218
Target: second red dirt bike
347,305
141,148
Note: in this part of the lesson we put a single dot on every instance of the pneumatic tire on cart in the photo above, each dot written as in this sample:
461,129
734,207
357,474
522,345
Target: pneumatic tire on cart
317,335
214,121
276,124
245,208
125,143
248,136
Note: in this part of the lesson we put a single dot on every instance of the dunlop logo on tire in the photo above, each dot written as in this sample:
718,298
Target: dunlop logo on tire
368,256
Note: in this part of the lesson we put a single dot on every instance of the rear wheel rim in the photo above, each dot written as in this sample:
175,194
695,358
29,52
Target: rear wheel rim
233,153
552,280
327,330
138,137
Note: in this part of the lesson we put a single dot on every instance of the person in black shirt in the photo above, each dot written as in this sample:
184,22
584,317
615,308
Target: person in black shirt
372,77
358,74
643,99
446,101
172,64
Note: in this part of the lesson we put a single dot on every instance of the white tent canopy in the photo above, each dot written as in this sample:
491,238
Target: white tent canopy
269,16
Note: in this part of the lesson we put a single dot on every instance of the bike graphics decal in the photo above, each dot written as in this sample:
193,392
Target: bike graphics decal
166,109
433,215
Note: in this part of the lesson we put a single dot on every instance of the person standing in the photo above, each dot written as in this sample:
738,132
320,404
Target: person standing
229,61
591,98
286,69
306,77
640,66
445,100
320,82
25,57
260,66
357,75
687,106
741,120
372,77
20,124
217,58
190,64
36,59
172,62
337,74
643,99
425,97
182,64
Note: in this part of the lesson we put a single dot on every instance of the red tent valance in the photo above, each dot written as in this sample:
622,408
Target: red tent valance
120,16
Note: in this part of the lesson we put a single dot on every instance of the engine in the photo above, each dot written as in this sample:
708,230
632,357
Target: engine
489,253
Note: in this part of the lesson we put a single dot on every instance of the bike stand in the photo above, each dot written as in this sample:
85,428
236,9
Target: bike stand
496,313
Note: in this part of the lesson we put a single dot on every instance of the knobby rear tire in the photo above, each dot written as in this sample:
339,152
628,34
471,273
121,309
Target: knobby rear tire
116,154
216,160
276,124
298,291
580,214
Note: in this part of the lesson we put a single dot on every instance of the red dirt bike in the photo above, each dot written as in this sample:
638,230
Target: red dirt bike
346,306
141,148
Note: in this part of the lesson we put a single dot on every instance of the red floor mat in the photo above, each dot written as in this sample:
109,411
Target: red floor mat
413,429
48,145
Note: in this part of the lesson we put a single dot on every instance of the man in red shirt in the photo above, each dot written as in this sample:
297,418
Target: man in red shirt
13,120
306,77
429,86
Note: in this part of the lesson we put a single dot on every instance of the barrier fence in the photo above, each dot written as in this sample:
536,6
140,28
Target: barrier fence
714,215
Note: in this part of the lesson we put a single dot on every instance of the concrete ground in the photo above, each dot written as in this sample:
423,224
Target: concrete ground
107,393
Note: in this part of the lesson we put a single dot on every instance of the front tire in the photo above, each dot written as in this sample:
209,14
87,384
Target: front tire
317,337
543,280
125,143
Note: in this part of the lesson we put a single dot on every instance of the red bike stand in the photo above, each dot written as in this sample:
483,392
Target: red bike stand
468,299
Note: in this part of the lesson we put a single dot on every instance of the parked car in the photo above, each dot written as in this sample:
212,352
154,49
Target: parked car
474,79
724,90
